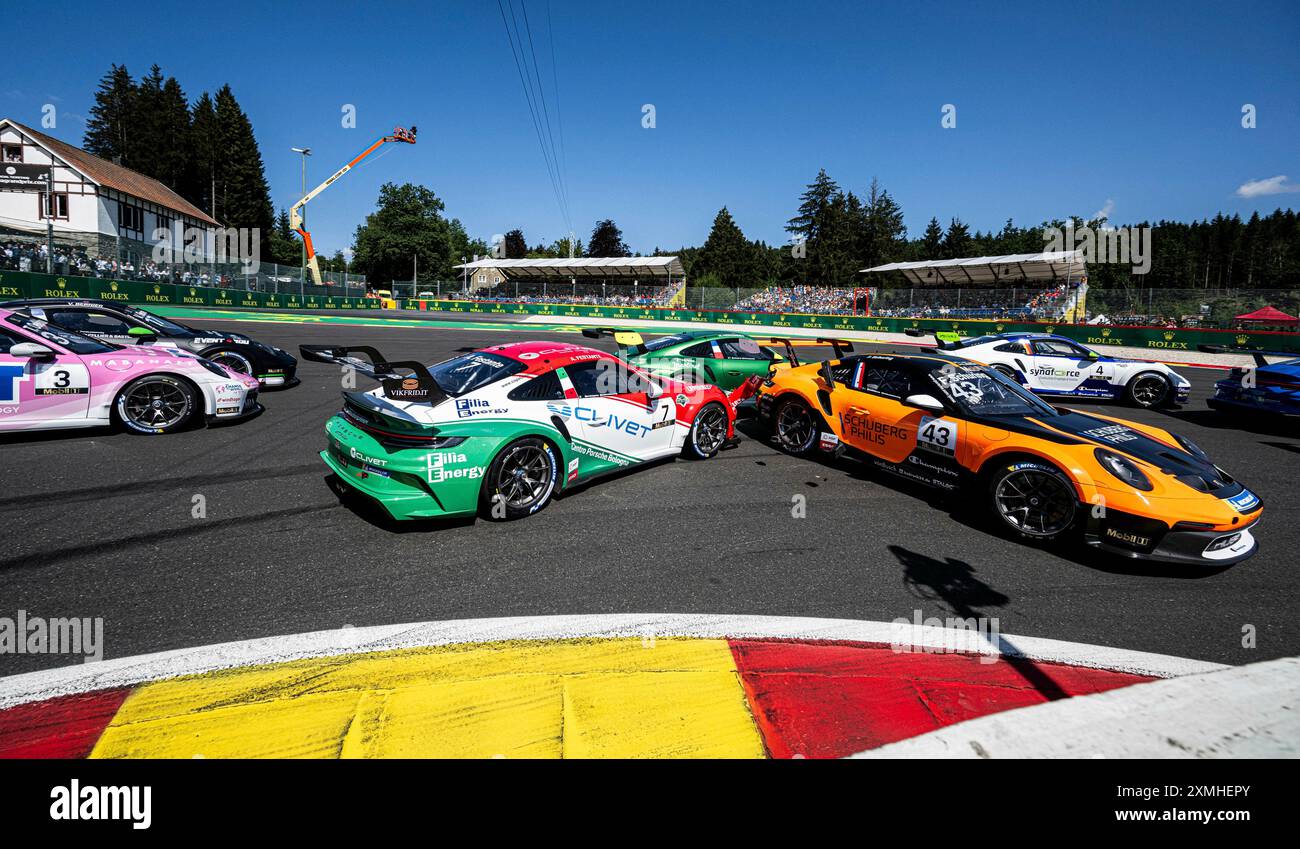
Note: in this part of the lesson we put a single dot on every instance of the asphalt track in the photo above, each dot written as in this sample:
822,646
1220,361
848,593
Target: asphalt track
99,524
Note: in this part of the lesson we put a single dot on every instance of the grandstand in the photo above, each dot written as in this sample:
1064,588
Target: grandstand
127,259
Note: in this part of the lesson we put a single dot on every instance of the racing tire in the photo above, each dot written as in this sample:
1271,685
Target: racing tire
521,480
1006,371
708,432
1034,500
795,426
1148,389
232,360
156,404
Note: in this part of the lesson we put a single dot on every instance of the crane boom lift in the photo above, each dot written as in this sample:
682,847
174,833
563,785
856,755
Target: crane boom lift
296,220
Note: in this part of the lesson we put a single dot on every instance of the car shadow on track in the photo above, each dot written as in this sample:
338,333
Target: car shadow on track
974,514
60,435
954,585
1262,425
369,511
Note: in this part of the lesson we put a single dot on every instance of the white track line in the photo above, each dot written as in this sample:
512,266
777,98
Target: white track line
122,672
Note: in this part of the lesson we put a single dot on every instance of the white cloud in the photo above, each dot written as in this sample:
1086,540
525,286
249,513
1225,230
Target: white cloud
1105,211
1272,186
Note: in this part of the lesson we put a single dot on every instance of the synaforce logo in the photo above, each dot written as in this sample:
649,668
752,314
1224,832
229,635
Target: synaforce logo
1052,371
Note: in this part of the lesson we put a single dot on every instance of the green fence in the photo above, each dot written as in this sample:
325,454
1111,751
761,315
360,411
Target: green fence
1154,338
21,284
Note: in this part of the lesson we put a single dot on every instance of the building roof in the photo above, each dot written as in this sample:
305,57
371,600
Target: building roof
619,266
114,176
990,270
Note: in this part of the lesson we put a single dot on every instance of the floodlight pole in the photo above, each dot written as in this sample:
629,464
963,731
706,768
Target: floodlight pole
50,208
304,152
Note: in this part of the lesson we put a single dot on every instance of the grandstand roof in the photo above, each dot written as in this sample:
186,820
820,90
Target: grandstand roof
599,267
990,270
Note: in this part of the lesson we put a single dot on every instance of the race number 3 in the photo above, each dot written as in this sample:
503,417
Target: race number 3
938,435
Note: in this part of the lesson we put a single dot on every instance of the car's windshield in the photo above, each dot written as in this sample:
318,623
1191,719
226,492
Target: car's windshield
666,341
461,375
74,342
978,391
166,327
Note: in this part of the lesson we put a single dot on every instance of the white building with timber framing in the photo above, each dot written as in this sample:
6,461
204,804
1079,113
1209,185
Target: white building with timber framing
109,210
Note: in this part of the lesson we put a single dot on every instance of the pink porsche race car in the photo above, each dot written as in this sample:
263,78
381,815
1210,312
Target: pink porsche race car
54,378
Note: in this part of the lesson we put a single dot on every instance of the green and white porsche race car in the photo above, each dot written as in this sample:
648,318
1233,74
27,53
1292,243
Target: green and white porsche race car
501,430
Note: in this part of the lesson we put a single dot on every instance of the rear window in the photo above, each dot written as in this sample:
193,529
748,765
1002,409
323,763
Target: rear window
74,342
462,375
665,342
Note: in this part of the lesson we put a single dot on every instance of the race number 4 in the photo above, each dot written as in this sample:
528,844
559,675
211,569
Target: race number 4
937,435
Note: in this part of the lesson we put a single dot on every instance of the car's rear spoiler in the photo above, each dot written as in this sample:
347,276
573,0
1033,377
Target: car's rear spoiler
1258,354
944,340
839,346
418,386
625,339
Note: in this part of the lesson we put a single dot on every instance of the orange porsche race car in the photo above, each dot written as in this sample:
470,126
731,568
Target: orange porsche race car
1046,472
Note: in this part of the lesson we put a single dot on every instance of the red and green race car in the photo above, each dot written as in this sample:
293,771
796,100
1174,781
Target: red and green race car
502,430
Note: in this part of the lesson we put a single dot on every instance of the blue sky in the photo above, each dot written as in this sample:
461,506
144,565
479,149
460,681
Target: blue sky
1061,109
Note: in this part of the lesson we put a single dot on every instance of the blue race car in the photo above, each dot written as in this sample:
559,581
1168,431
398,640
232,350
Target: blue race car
1269,388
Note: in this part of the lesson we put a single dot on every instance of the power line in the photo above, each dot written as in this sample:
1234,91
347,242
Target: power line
534,99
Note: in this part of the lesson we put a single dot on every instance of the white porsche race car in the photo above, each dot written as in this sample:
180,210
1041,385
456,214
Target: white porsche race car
1056,365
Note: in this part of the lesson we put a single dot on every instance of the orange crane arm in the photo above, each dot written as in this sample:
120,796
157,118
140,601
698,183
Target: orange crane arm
296,213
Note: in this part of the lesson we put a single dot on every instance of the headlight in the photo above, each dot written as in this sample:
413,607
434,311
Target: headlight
214,368
1124,469
1191,447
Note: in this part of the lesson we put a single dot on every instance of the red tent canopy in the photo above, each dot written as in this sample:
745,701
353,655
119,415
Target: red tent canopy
1269,315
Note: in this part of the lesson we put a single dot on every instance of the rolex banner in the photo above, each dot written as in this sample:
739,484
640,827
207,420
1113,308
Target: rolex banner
17,284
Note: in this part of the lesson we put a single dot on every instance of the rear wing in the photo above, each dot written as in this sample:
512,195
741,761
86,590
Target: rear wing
944,340
839,346
1260,356
418,386
625,339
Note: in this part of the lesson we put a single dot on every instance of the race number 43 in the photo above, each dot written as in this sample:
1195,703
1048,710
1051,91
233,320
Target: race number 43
938,435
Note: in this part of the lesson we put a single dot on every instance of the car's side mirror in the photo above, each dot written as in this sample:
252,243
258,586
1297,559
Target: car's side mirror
31,351
924,402
653,390
142,335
